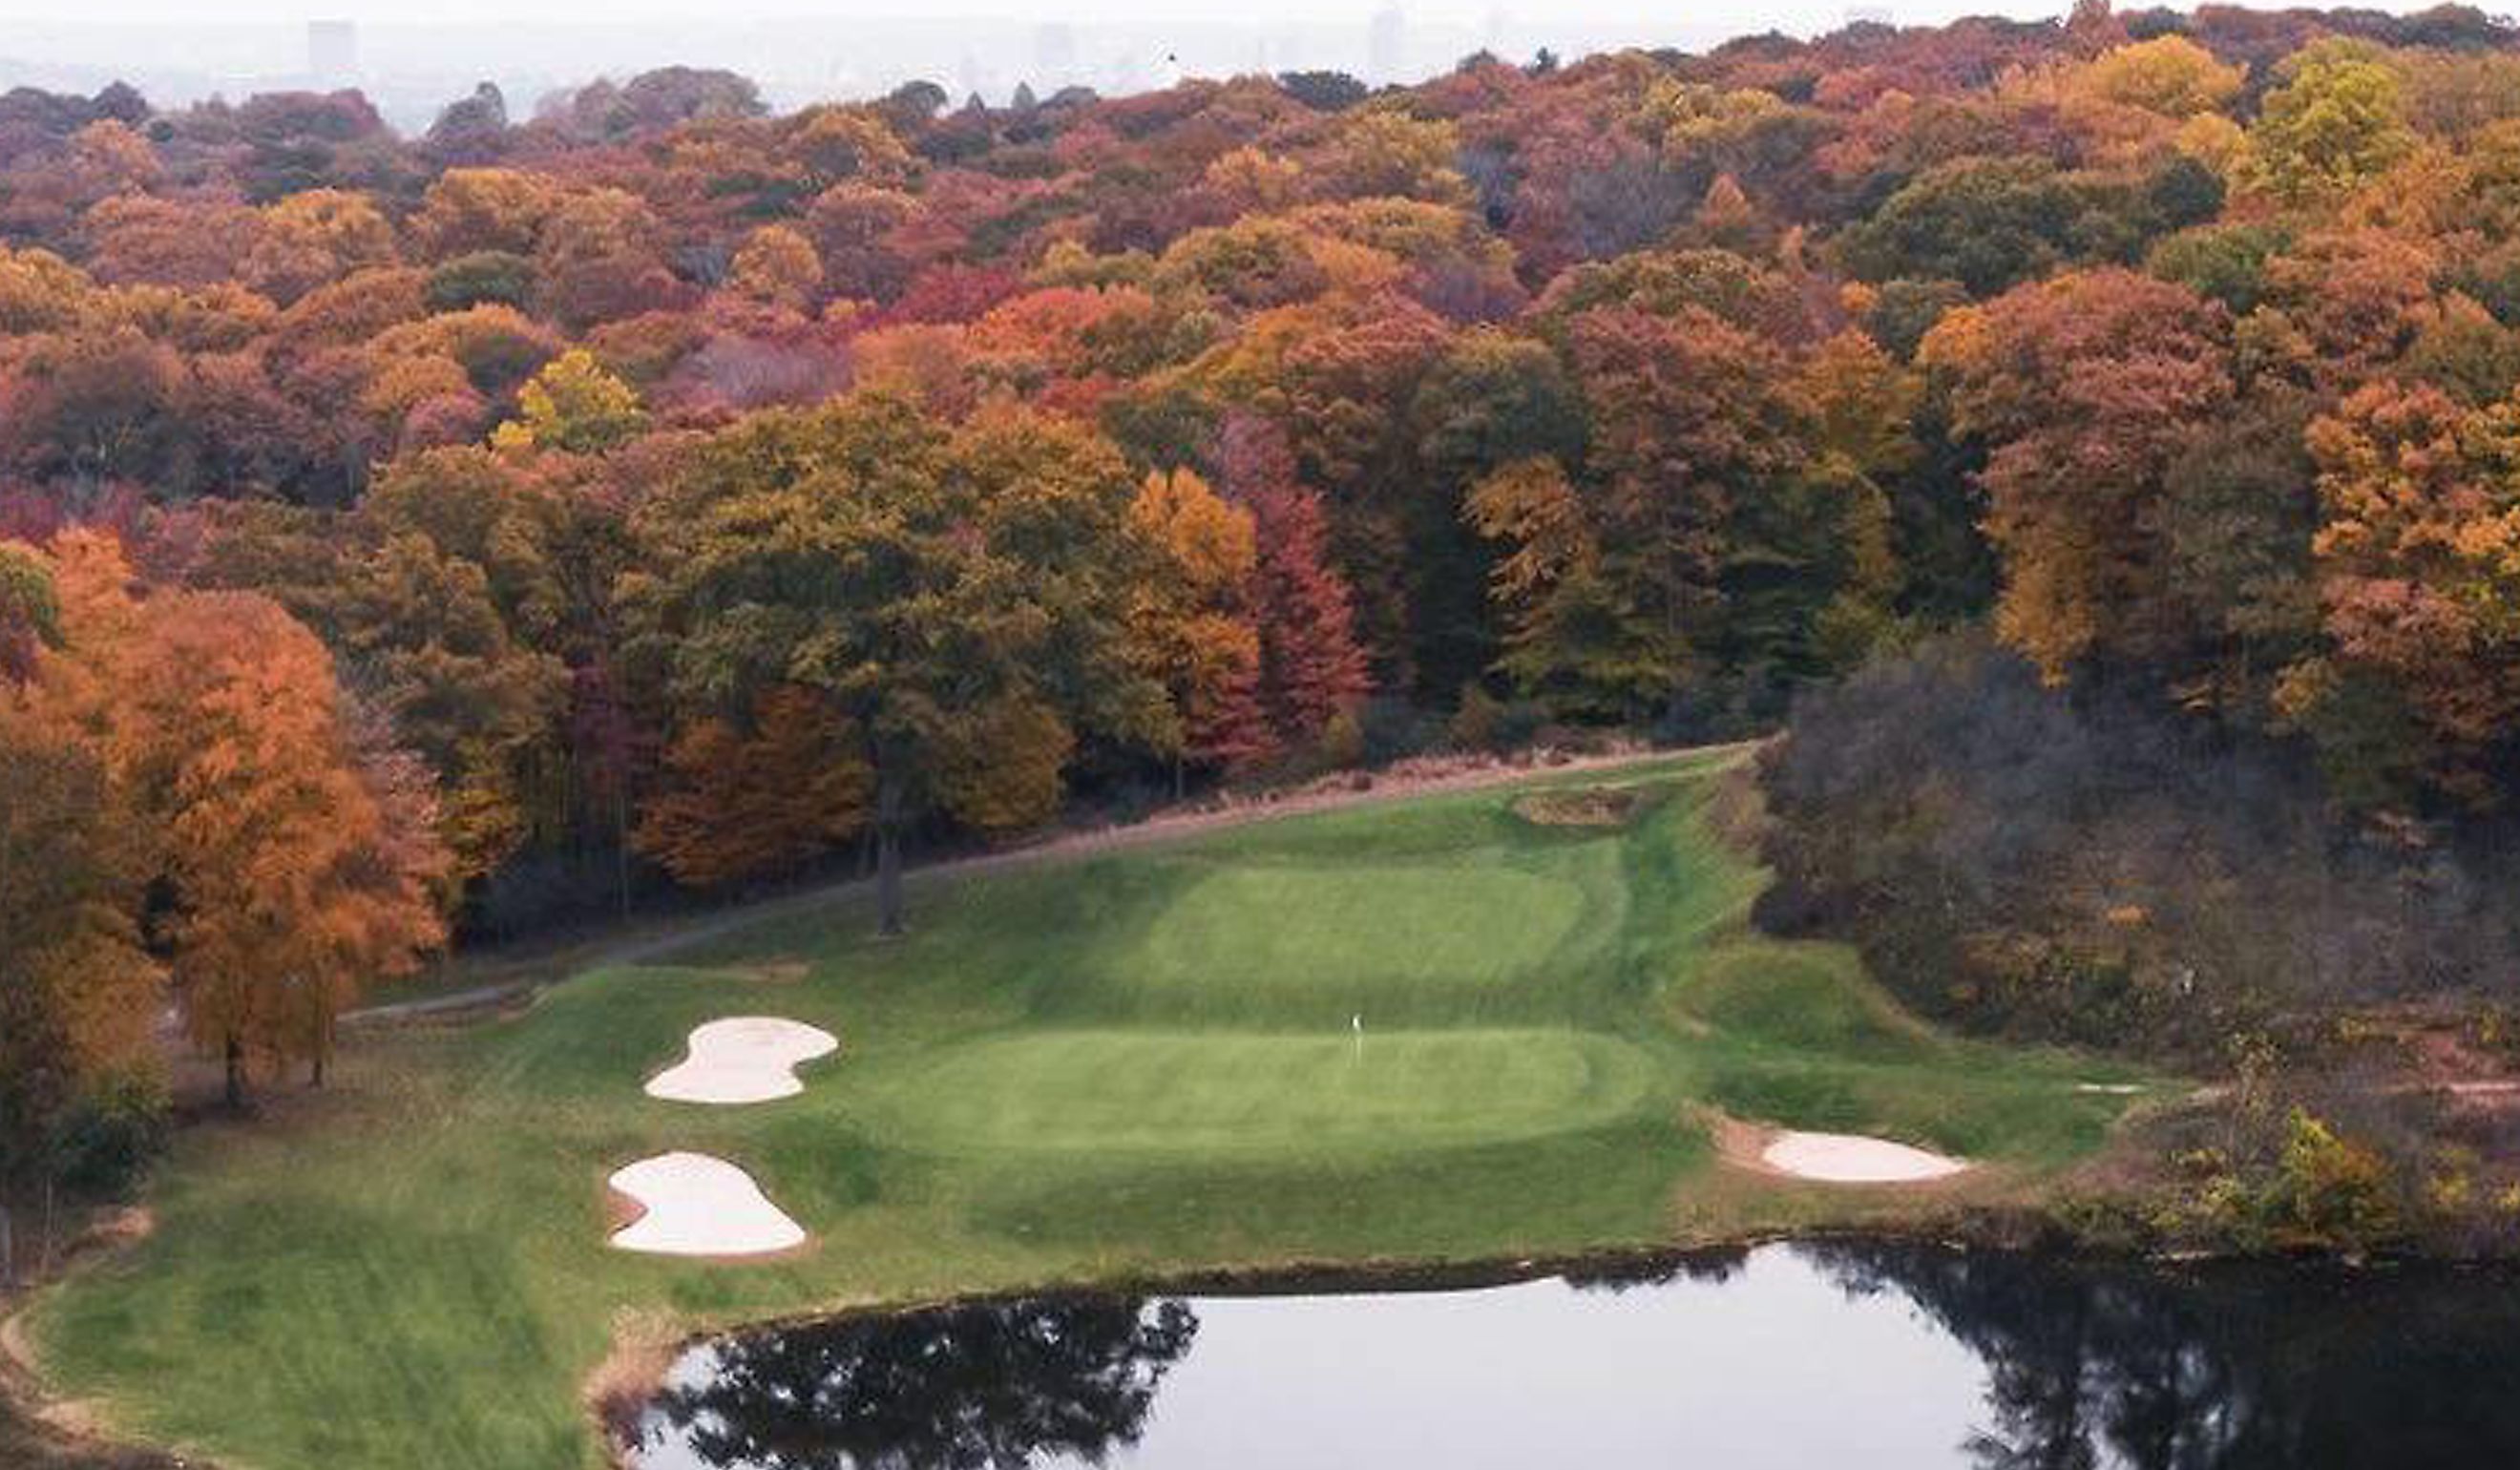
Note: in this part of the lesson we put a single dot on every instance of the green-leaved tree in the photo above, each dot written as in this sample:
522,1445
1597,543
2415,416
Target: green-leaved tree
959,593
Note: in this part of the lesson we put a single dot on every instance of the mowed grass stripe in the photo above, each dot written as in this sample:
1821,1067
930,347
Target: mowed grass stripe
1159,1092
1393,925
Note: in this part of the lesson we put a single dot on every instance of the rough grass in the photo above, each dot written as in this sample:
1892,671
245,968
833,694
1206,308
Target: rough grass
1137,1063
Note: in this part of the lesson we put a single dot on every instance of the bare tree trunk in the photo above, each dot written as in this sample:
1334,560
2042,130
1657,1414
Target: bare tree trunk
8,1246
622,838
236,1074
887,884
44,1241
887,855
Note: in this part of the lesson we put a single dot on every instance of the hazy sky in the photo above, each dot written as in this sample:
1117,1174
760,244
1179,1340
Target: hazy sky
411,56
404,11
1732,14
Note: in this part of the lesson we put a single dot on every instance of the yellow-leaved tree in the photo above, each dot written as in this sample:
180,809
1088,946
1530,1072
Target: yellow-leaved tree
574,404
1189,622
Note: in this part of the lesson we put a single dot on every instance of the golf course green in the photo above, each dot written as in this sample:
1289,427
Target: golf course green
1402,1030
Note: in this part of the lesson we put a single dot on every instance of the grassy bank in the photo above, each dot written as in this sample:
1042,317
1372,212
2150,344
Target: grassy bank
1132,1063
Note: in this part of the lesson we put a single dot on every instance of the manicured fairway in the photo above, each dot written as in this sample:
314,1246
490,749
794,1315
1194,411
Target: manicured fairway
1093,1067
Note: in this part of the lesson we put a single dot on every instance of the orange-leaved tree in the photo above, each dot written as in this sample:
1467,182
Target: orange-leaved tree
2085,388
757,797
298,851
2418,570
77,990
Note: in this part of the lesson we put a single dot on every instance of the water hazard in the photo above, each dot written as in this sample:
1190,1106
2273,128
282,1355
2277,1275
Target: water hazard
1823,1355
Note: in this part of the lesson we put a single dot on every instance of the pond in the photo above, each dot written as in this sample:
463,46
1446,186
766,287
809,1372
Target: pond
1816,1355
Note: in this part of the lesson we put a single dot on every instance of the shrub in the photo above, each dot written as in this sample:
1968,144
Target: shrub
1342,742
1393,729
2092,868
1475,720
108,1138
2331,1190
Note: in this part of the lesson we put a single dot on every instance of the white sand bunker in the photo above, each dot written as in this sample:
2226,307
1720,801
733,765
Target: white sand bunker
1852,1159
743,1059
696,1205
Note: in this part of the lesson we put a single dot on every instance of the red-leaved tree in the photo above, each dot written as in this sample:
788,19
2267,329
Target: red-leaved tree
1311,667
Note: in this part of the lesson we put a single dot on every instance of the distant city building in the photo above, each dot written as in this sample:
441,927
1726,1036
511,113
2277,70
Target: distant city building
332,52
1385,45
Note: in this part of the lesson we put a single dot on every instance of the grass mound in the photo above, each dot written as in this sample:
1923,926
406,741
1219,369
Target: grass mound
1132,1063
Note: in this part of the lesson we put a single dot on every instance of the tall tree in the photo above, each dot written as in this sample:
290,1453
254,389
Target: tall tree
1564,642
2086,388
1311,666
297,862
931,582
1189,621
448,594
1693,419
1493,399
2419,578
77,990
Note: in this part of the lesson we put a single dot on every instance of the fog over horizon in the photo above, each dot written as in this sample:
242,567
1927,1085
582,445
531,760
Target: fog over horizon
412,57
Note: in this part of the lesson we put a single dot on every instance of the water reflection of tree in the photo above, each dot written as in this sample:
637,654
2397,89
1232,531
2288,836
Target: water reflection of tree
2251,1371
1712,1266
992,1385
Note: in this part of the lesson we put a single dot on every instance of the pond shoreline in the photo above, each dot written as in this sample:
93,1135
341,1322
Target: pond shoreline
34,1420
635,1373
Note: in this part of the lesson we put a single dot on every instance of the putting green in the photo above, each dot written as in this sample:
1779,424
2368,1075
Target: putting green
1159,1091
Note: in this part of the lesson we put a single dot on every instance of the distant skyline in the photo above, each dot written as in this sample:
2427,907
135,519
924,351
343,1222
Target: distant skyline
411,57
250,11
1731,16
